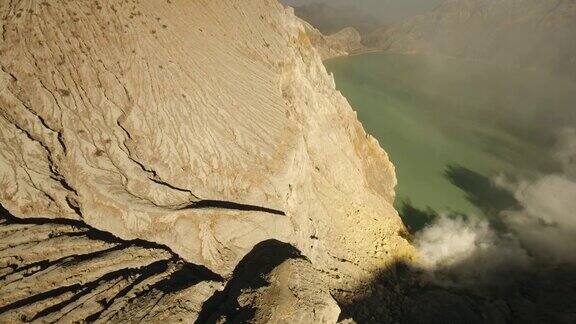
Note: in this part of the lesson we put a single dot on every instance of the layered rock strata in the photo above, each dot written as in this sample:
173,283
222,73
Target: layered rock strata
203,127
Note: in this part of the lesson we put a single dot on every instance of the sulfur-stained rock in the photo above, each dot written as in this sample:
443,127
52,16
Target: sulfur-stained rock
274,283
204,126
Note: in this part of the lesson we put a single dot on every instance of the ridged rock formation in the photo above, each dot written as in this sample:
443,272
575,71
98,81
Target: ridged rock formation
65,271
202,128
345,42
525,33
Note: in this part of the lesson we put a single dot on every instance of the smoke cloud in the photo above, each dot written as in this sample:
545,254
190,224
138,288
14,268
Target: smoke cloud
565,150
457,250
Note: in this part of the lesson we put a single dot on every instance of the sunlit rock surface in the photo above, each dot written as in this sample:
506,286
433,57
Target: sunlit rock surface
345,42
204,127
64,271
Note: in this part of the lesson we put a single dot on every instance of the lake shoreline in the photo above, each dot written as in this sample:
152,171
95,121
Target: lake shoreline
441,114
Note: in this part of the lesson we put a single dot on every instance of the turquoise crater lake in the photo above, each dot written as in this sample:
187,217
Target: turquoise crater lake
451,125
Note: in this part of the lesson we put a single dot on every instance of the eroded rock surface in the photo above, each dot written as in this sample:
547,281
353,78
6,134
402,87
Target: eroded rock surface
64,271
273,284
206,127
345,42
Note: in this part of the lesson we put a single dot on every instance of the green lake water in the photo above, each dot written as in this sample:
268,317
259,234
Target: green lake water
451,125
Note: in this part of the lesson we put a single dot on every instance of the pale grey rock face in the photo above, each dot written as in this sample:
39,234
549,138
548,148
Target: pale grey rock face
348,38
345,42
204,126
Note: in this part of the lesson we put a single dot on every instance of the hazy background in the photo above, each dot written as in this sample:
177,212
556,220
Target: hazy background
365,15
497,76
388,11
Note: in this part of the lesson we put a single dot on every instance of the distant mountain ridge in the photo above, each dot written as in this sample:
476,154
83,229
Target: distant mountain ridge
331,19
345,42
526,33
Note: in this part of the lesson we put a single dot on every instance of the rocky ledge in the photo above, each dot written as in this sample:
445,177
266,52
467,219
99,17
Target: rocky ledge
181,160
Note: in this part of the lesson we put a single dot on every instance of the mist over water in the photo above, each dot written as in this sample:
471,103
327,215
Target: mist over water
485,157
475,102
482,131
365,15
465,251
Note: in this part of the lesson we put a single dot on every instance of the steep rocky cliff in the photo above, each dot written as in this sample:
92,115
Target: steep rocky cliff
150,151
345,42
525,33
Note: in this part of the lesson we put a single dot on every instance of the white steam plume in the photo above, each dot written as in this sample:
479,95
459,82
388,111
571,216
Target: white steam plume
462,251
